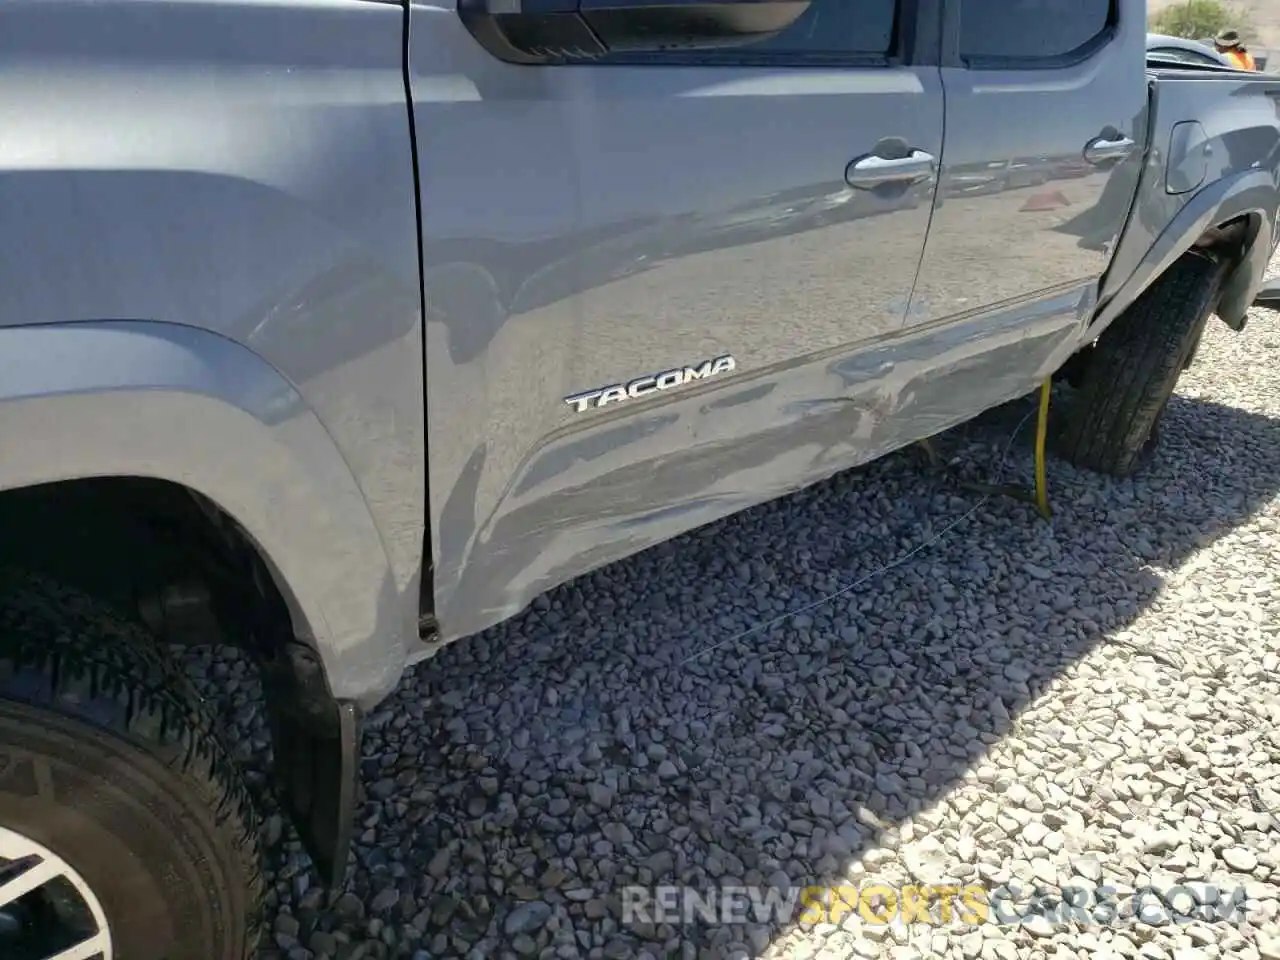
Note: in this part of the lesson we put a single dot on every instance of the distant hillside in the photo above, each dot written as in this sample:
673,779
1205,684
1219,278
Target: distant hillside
1263,14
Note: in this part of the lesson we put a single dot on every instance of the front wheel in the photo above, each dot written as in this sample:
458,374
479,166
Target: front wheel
125,831
1134,366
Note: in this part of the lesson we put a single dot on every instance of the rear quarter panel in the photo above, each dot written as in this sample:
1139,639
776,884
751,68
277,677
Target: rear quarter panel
1214,156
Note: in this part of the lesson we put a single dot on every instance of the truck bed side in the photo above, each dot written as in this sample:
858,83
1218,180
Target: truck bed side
1213,159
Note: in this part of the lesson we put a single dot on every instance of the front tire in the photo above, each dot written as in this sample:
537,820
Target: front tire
1134,366
112,777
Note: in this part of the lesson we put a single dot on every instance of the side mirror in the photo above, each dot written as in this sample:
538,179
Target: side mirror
546,31
1269,296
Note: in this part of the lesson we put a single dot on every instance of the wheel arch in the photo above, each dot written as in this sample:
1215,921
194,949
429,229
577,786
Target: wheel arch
172,403
153,417
1235,217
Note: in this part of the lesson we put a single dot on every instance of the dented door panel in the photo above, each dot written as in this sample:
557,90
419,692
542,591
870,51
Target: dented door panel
639,281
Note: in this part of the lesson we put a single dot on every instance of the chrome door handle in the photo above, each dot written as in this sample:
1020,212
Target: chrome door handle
1101,149
872,171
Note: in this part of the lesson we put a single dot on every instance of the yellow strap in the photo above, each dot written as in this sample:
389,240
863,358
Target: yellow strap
1042,430
1040,497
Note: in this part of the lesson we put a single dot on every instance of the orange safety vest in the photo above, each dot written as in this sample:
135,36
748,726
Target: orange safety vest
1241,59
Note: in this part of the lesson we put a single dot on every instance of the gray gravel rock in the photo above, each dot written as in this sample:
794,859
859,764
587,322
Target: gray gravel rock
1090,703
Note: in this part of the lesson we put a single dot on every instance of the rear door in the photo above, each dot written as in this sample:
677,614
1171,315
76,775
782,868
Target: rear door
639,271
1046,114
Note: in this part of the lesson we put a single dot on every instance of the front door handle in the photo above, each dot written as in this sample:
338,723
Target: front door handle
1114,147
871,171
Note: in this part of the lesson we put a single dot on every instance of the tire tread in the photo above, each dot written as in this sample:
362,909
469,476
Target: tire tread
1135,366
65,651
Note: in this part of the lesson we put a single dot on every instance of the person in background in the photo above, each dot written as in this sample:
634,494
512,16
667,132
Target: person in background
1228,44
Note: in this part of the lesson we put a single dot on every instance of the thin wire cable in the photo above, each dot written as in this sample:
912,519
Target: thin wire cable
784,617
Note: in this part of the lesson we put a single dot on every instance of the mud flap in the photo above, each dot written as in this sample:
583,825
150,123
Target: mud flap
316,742
317,782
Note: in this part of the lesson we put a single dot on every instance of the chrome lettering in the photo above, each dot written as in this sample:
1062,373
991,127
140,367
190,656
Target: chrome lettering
582,400
612,394
650,383
638,388
697,373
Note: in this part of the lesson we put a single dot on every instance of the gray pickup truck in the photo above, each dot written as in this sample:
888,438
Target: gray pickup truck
337,330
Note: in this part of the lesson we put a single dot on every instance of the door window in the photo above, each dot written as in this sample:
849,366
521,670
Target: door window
1031,29
832,27
690,31
829,30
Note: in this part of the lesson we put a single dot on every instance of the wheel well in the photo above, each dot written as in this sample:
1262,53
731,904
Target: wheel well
161,552
1230,239
154,549
1235,243
1226,242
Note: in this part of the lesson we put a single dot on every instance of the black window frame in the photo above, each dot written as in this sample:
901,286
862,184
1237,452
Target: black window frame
915,41
952,56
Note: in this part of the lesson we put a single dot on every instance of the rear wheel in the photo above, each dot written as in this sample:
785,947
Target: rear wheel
125,830
1132,370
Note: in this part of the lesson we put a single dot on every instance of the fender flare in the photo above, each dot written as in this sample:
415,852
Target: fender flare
1250,193
172,402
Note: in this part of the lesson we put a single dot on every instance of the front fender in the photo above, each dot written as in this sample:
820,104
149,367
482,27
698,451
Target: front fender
171,402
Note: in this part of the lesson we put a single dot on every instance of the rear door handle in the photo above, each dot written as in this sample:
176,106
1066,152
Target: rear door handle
1104,148
872,171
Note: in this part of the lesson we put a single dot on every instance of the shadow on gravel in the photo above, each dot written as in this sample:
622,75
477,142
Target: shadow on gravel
515,784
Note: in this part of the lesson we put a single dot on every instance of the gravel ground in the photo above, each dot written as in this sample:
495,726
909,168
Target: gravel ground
1091,701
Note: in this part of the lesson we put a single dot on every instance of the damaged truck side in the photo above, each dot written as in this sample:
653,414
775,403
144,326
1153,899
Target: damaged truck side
337,330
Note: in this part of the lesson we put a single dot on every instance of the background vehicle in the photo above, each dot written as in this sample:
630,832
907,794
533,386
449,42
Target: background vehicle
1184,50
340,329
1261,55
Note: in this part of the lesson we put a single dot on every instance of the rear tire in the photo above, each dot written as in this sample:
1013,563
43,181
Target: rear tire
112,773
1112,426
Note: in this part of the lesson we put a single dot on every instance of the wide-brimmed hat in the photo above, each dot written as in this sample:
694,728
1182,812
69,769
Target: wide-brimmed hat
1227,38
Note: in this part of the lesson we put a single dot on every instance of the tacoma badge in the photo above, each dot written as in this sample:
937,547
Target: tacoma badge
645,385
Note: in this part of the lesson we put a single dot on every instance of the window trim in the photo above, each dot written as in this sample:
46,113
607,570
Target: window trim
916,39
952,57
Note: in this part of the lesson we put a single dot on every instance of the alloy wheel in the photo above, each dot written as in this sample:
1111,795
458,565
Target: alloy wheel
47,911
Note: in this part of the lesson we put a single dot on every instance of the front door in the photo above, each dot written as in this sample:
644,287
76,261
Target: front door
639,272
